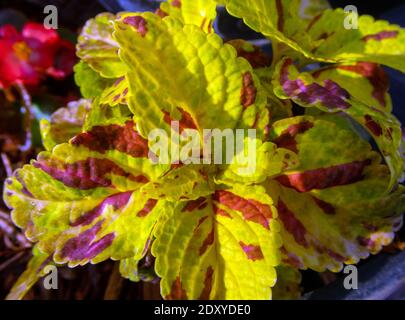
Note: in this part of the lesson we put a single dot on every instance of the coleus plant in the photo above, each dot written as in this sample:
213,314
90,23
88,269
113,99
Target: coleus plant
321,196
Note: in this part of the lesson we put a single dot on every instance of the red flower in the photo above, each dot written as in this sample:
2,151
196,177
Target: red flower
29,56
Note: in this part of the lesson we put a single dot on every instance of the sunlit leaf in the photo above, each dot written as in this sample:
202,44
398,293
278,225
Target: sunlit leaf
267,162
91,84
180,73
324,37
201,13
226,247
187,182
80,201
65,123
116,93
334,207
365,81
328,96
97,47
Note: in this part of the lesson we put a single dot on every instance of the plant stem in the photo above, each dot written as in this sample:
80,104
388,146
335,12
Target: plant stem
151,291
7,164
115,284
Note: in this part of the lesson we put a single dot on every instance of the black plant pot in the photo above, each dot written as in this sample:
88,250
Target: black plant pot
381,278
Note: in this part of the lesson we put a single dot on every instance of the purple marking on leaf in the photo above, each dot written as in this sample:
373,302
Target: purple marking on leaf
292,224
123,138
176,3
314,21
185,122
252,210
161,13
335,255
373,126
322,178
209,240
200,222
375,74
248,91
205,294
86,174
287,139
291,259
331,95
138,22
83,246
118,201
365,242
381,36
118,81
325,206
24,188
195,205
177,291
149,206
280,15
221,212
252,252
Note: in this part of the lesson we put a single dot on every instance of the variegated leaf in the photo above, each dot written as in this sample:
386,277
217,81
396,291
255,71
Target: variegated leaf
187,182
179,72
257,58
325,37
261,63
81,202
329,96
201,13
91,84
116,93
65,123
268,161
365,81
98,49
334,208
226,247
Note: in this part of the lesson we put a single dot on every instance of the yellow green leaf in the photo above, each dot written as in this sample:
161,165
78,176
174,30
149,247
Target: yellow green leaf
226,247
201,13
178,71
334,207
65,123
328,96
98,49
